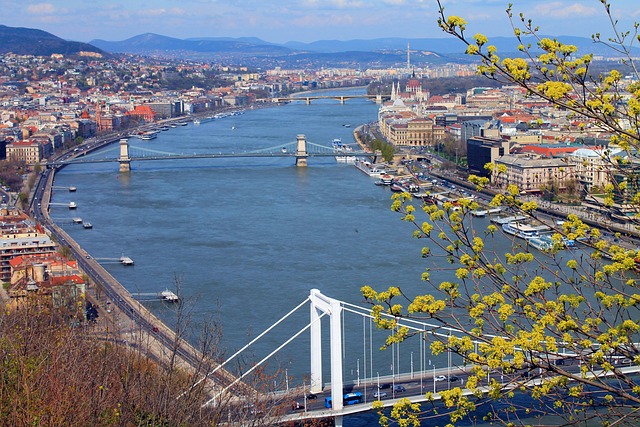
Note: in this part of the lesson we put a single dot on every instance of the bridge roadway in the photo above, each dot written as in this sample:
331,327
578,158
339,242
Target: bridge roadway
163,341
341,98
80,160
416,386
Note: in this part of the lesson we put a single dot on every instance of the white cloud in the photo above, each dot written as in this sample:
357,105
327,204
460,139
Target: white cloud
562,10
41,9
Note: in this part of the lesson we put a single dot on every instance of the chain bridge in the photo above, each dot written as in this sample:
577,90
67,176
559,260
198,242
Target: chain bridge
124,154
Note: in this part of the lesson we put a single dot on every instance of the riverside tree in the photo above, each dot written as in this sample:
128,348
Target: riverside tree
554,333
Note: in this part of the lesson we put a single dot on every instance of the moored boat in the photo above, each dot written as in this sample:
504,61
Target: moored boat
169,296
372,170
343,152
541,243
521,230
507,219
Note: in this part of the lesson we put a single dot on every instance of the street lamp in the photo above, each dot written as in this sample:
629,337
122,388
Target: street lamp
434,378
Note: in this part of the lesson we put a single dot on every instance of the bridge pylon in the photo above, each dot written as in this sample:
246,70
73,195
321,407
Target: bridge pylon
301,151
124,159
323,304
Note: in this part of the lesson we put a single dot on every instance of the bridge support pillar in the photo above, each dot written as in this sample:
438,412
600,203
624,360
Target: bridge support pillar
378,99
301,152
124,159
342,100
308,101
321,303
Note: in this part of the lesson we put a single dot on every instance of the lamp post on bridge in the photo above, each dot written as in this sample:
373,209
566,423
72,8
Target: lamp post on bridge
434,378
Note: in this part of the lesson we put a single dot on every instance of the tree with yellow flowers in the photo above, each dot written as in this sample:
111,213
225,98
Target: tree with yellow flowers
561,328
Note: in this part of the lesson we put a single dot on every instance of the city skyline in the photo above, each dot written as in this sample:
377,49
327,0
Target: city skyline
304,20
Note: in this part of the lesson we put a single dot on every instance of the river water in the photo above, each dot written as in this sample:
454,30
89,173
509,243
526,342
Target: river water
248,238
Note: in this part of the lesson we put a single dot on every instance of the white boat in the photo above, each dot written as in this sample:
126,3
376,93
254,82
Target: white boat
125,260
87,225
521,230
72,189
507,219
76,220
196,122
148,136
479,212
72,205
169,296
343,151
372,170
541,243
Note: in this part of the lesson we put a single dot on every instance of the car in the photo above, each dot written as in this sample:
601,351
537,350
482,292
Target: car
440,378
453,378
155,329
311,396
399,388
385,385
380,394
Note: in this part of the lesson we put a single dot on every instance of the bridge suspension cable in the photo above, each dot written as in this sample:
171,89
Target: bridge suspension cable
266,331
264,359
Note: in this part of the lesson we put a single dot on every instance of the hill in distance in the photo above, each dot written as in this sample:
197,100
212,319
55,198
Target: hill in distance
29,41
149,43
381,51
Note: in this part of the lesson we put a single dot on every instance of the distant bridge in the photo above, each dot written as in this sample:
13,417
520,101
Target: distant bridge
342,98
300,149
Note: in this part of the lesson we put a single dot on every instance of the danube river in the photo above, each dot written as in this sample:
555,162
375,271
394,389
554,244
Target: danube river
248,238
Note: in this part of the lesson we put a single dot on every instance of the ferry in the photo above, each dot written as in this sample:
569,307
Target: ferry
344,150
521,230
365,166
148,136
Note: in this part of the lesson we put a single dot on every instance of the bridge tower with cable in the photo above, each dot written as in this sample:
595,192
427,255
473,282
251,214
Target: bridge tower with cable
301,151
320,305
124,159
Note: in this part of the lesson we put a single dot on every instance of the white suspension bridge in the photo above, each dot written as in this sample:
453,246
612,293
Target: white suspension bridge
339,397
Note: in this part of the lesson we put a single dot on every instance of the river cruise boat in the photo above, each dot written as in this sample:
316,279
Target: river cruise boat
147,136
521,230
375,171
498,219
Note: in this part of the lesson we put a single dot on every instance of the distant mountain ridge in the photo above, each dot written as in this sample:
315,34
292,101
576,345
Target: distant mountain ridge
29,41
150,43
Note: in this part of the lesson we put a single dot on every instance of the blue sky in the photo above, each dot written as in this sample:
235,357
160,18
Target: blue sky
280,21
